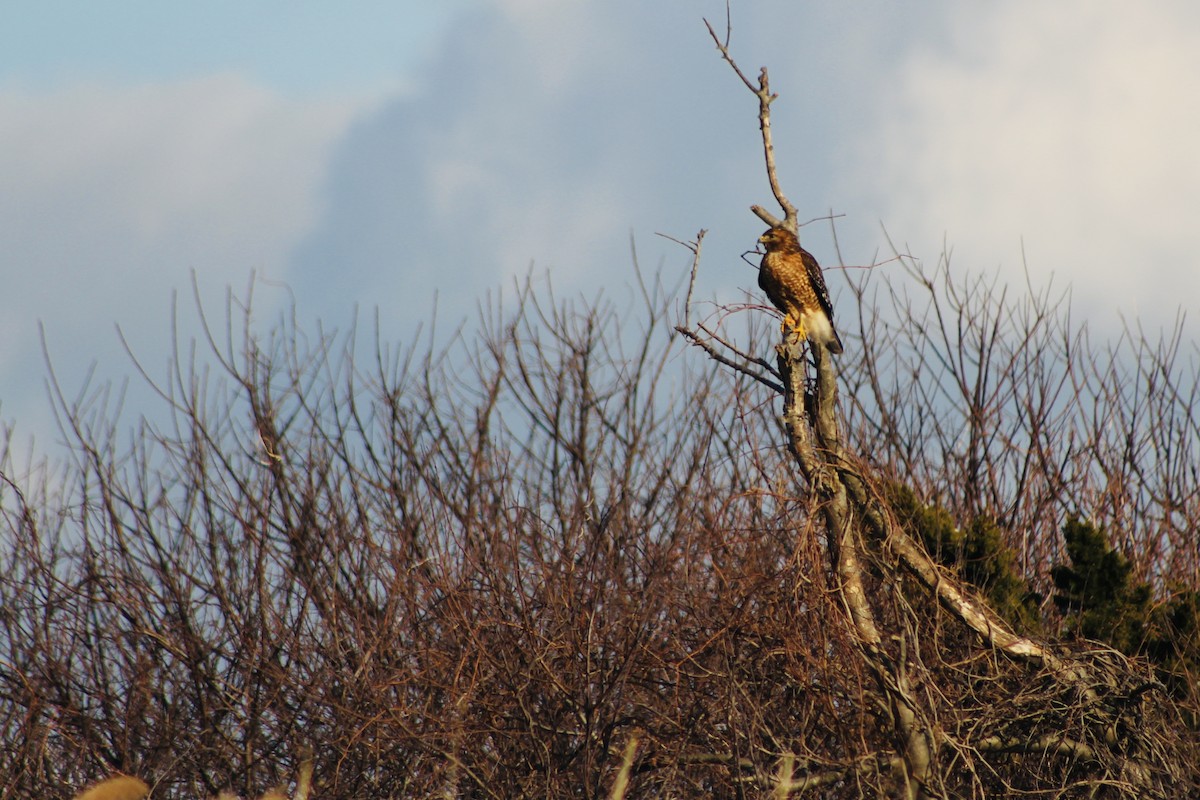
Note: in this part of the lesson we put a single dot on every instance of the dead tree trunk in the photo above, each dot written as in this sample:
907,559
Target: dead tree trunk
1108,749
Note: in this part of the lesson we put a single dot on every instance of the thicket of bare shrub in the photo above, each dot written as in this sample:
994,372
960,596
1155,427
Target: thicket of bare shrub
486,570
482,571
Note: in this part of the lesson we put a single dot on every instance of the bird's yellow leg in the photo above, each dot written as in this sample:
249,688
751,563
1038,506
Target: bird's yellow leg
794,325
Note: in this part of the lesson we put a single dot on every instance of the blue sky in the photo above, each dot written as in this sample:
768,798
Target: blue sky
374,154
298,46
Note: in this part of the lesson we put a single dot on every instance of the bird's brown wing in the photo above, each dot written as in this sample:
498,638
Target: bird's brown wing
817,280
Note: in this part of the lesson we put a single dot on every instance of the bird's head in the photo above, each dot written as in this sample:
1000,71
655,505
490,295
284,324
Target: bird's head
778,238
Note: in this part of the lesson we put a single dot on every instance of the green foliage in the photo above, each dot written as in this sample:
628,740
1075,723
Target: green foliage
1096,593
1174,627
1172,641
977,553
1099,600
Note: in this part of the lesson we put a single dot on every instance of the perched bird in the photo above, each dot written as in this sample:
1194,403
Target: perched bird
792,279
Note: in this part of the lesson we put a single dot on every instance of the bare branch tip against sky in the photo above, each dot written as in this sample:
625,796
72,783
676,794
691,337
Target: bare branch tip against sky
378,154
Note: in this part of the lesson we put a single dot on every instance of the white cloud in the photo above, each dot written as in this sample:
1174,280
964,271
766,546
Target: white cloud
1070,126
540,136
113,194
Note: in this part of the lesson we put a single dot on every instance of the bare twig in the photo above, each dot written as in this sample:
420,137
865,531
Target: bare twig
762,91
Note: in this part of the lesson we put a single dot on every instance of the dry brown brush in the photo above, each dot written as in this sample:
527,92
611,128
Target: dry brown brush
481,570
490,569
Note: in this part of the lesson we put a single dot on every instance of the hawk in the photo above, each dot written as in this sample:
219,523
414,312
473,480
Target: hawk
792,279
